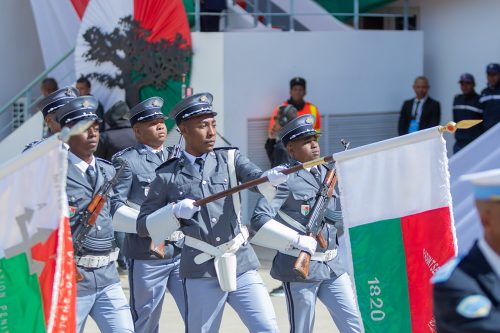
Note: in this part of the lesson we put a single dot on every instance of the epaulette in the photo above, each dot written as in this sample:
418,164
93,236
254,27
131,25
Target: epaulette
444,273
226,148
103,160
121,152
169,161
31,145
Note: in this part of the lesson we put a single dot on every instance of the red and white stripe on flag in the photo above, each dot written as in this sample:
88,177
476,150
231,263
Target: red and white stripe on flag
37,278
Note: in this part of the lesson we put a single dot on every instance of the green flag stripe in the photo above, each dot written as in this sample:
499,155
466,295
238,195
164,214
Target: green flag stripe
21,308
380,276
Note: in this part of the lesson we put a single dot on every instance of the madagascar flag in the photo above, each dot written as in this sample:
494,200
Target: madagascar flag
396,202
37,280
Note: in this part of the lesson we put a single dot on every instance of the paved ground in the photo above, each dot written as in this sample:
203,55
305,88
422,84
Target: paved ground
171,320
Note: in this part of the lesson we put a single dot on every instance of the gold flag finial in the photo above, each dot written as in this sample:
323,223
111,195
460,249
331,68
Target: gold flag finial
452,127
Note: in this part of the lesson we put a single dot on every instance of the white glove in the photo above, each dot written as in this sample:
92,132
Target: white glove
185,209
275,176
305,243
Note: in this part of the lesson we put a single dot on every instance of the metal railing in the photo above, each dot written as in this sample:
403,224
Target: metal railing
253,10
27,93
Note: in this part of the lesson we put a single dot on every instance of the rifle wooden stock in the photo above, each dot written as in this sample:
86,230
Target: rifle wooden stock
301,266
261,180
94,208
90,216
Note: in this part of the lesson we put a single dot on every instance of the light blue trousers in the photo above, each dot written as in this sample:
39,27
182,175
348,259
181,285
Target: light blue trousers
206,301
336,294
109,309
149,280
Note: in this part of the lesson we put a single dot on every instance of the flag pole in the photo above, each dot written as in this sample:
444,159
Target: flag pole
261,180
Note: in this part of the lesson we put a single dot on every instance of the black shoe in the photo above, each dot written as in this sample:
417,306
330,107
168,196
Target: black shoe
122,268
279,292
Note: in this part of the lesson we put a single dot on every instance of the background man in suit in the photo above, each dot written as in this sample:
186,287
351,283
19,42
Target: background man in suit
421,111
467,290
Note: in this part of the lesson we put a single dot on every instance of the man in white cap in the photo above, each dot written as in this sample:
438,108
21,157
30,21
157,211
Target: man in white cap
467,289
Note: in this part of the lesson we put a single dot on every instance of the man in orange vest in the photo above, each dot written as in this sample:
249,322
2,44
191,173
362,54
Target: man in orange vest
297,93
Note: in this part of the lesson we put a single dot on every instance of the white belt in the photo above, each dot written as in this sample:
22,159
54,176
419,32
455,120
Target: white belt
210,251
91,261
317,256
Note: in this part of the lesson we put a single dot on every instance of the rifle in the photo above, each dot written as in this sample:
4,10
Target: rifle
159,250
315,225
89,217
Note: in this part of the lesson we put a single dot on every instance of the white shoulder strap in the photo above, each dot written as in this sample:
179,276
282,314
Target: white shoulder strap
231,161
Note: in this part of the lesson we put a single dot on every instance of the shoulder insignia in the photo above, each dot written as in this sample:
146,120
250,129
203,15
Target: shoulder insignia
474,306
121,152
166,163
103,160
445,271
225,148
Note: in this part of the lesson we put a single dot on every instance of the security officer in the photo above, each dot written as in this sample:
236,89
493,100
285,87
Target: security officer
467,106
48,106
490,97
275,149
149,276
467,289
281,225
99,293
217,263
297,94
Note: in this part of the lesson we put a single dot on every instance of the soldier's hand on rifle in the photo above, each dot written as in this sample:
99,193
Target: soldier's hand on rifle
305,243
275,176
185,209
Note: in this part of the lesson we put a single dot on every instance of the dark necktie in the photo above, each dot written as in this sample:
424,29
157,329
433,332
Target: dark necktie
91,175
160,155
414,116
316,174
199,162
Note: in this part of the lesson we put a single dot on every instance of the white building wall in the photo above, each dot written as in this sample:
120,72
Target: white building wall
21,58
346,72
459,36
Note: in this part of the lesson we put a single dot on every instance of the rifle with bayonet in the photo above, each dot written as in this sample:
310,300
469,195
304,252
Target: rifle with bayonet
316,222
89,217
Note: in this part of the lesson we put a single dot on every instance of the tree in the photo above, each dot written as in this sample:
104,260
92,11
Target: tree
141,62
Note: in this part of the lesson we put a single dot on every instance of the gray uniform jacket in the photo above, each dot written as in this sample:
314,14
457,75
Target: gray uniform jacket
216,223
133,186
100,240
293,197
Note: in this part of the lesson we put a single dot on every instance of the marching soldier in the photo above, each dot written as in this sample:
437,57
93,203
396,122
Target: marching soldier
217,263
151,271
281,225
99,294
467,289
49,105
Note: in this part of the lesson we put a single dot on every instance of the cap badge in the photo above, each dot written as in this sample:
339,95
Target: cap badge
309,120
204,99
156,103
68,92
86,104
